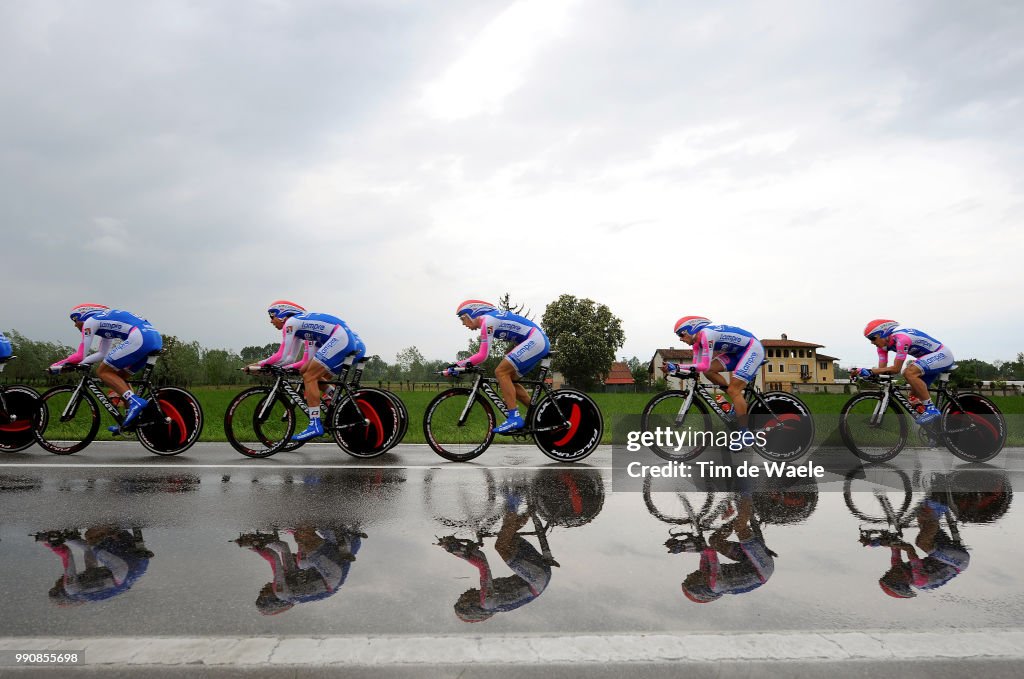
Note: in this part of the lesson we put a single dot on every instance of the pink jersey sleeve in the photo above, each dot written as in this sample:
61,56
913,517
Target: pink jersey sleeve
883,357
485,348
83,348
701,354
903,344
298,365
273,359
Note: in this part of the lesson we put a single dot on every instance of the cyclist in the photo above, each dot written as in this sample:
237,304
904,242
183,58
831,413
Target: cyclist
718,349
317,570
933,359
945,558
5,347
113,559
532,573
531,346
754,562
126,340
280,311
334,342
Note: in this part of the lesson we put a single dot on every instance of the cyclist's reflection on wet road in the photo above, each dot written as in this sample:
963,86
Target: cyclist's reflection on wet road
515,504
708,520
937,553
315,570
99,563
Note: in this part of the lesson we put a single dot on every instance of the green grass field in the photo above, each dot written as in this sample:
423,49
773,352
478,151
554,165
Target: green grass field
215,400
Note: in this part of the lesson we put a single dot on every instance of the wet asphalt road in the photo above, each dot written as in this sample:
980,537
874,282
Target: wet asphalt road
116,542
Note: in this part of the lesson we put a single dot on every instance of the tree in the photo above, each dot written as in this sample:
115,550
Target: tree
410,364
180,364
252,354
33,357
376,369
638,369
221,366
586,335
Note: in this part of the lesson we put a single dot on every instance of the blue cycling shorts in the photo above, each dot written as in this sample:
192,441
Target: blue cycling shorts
528,353
337,348
934,364
131,354
744,365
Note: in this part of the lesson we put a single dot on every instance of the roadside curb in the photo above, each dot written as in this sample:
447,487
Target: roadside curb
377,651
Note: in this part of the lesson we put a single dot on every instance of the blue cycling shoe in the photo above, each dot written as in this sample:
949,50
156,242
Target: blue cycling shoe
513,423
315,429
136,404
929,415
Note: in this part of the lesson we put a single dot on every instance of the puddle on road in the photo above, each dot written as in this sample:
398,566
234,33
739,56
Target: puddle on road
460,549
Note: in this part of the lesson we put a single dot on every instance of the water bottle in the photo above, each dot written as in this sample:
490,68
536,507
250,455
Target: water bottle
723,404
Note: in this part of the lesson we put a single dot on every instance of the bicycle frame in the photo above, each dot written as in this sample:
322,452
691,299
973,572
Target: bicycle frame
282,384
893,392
484,385
94,387
751,395
540,529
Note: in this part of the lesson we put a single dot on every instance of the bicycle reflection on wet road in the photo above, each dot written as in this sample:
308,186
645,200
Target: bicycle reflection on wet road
532,551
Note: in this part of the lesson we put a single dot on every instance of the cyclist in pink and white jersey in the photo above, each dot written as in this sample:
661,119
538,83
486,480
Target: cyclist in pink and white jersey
334,342
126,340
933,359
531,346
718,349
280,311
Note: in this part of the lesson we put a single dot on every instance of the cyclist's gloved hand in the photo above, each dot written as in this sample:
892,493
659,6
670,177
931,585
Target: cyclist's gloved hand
451,371
56,368
864,372
671,367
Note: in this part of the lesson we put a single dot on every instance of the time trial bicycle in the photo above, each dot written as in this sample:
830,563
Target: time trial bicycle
782,418
70,418
875,424
564,423
364,422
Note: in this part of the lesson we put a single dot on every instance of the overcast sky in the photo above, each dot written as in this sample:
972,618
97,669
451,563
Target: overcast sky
797,167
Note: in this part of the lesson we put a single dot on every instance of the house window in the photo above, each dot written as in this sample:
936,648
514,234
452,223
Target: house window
805,370
782,367
769,367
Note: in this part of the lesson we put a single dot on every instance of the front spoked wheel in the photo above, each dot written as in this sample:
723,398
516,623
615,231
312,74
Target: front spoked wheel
782,425
457,429
567,425
692,426
69,420
869,433
18,419
179,426
366,425
255,428
973,428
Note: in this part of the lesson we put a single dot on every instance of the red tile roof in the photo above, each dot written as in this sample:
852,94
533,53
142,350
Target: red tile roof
619,374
